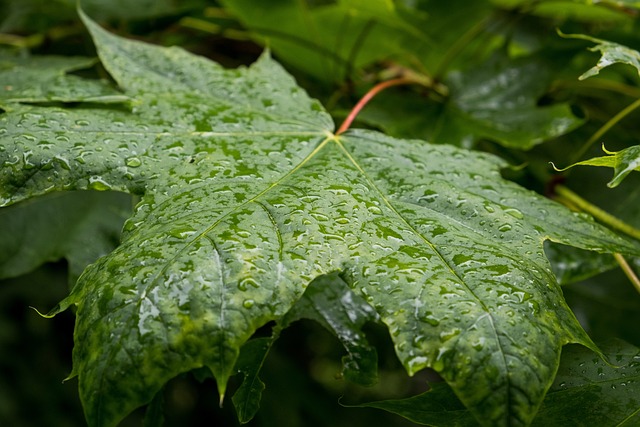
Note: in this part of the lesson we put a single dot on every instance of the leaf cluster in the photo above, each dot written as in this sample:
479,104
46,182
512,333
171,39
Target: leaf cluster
205,210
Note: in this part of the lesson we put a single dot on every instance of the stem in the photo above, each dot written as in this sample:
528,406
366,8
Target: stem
368,96
628,271
599,214
605,128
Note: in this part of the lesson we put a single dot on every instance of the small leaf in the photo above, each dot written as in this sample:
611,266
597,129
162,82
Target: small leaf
331,303
438,407
612,53
623,163
246,399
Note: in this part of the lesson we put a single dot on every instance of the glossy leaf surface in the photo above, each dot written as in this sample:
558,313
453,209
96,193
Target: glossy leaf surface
40,79
602,394
612,53
497,100
247,196
623,163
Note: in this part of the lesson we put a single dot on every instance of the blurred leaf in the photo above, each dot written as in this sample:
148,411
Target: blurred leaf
497,100
330,302
437,407
601,394
40,15
330,41
601,11
78,226
46,78
572,265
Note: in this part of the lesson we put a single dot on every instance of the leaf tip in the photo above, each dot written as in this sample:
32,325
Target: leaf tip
55,310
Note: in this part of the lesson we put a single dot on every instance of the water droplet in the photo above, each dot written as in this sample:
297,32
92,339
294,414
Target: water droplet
505,227
375,210
133,162
447,335
489,208
96,183
248,303
182,232
245,283
514,213
479,344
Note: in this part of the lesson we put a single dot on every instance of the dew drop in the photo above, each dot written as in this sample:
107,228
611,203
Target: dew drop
479,344
375,210
248,303
96,183
514,213
133,162
245,283
504,227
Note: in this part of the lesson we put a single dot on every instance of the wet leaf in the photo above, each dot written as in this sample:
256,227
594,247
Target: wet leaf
41,79
612,53
330,302
623,163
602,394
247,196
246,399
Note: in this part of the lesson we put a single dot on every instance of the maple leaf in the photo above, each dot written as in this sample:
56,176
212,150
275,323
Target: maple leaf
247,196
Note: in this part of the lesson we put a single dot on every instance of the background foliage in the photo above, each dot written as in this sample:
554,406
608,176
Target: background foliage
497,77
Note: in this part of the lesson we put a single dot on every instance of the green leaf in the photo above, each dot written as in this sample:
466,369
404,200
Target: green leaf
585,385
623,163
601,393
40,15
329,41
247,196
246,399
46,78
601,11
330,302
572,265
612,53
437,407
78,226
497,100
